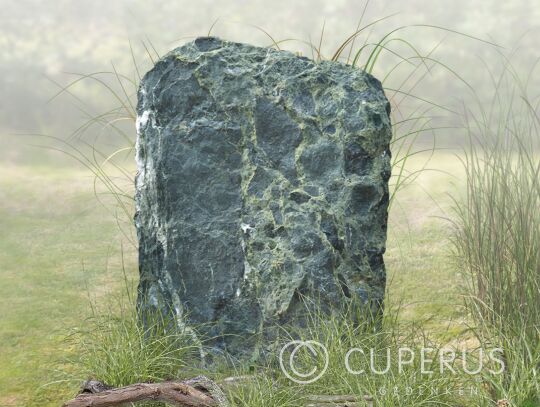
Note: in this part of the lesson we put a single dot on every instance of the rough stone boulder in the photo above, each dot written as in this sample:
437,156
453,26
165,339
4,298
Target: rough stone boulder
262,181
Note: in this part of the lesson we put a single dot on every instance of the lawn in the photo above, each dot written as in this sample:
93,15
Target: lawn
60,249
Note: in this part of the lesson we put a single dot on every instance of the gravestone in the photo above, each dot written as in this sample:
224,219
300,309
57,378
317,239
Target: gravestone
262,181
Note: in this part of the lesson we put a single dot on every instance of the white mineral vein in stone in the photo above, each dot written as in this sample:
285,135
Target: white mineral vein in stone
141,121
247,270
246,228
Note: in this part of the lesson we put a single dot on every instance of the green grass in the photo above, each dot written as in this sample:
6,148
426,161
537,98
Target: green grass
56,247
352,329
118,350
417,247
496,240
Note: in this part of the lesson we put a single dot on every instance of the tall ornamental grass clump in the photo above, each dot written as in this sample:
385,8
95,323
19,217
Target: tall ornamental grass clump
496,239
115,348
118,350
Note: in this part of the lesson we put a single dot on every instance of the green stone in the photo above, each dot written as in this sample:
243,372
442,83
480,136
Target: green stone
262,181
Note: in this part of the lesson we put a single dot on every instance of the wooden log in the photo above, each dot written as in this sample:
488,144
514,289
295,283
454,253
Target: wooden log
198,392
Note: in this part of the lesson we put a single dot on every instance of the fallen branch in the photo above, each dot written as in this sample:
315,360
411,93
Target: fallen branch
198,392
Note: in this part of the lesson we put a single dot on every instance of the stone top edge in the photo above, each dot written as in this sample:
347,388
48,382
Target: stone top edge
212,43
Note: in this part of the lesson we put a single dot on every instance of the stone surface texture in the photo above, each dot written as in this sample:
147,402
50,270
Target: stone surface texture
262,181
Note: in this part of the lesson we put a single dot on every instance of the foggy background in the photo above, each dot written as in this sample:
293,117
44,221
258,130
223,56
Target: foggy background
43,43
